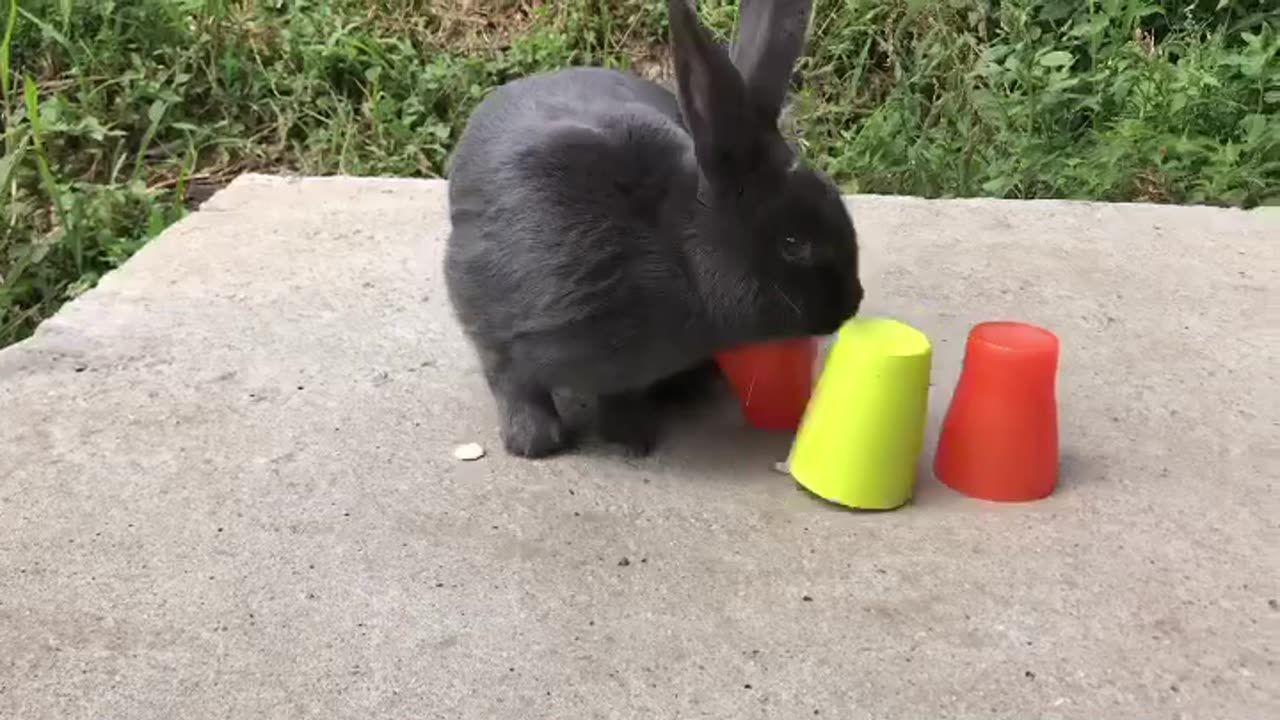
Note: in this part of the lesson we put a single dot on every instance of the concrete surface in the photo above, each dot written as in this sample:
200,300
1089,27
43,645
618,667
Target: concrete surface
227,490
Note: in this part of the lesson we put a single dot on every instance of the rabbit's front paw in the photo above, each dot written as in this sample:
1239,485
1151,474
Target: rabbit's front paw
531,428
631,421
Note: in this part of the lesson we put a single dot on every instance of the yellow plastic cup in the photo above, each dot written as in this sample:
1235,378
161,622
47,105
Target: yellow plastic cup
863,429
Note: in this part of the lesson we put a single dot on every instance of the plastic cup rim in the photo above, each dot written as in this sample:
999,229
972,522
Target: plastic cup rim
1050,338
925,346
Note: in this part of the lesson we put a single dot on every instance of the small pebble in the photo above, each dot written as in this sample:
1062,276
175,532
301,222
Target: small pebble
782,467
468,452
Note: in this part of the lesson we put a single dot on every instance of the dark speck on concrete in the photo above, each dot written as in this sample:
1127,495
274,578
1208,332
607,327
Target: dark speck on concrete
807,598
1030,675
747,686
624,562
1273,604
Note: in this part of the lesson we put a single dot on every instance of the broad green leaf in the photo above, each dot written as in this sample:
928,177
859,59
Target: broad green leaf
1057,58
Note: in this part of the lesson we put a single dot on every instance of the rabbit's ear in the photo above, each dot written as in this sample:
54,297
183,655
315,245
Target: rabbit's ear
713,98
770,37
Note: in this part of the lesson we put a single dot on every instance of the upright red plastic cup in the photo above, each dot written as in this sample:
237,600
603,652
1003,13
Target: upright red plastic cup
772,380
999,440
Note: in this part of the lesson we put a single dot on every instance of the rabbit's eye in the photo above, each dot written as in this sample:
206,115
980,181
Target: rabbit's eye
795,249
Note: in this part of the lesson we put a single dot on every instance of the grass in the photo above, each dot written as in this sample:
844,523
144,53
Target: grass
118,115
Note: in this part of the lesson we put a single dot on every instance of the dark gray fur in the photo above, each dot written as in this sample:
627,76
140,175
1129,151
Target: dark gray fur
608,237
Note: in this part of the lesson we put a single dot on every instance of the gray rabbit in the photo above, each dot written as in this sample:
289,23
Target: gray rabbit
608,237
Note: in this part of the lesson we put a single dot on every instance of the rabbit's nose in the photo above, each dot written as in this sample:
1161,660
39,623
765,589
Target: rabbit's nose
856,297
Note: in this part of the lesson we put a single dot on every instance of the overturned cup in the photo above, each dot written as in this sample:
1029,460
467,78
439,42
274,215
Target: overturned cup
863,430
772,380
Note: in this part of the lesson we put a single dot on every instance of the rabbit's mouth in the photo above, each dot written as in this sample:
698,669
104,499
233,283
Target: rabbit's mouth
855,298
842,301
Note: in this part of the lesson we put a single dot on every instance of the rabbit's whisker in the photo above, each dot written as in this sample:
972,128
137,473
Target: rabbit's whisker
791,302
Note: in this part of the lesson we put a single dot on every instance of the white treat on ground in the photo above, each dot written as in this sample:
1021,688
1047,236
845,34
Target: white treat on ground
468,452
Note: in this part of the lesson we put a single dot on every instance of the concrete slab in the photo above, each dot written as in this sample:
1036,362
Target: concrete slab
227,490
